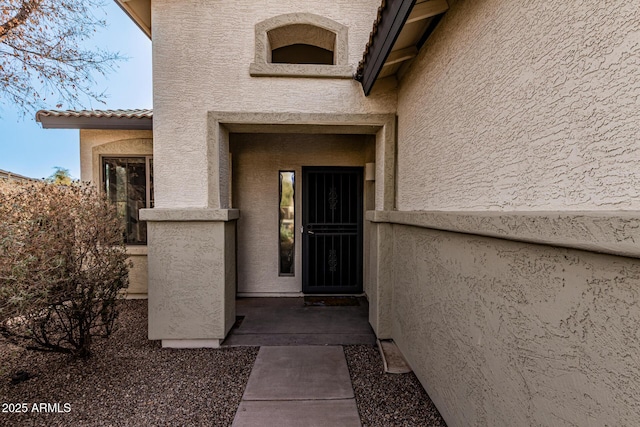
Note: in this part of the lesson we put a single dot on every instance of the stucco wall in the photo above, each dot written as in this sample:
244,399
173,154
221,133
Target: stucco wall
192,272
257,158
202,52
521,106
511,334
524,106
96,143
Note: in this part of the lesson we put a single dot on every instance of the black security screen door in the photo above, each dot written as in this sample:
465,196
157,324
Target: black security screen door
332,230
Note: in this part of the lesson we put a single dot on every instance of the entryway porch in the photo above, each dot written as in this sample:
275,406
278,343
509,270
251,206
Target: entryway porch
307,320
200,255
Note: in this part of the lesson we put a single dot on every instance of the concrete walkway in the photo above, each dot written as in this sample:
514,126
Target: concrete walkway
298,386
300,377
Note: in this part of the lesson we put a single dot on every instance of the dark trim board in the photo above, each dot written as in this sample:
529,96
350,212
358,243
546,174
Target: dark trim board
392,21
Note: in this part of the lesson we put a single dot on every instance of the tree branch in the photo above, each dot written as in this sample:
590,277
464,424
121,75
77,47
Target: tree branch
26,9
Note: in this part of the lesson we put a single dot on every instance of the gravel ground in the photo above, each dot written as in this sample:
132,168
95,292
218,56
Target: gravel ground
131,381
388,399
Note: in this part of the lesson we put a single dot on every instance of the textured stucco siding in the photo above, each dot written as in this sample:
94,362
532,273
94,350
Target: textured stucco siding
379,277
521,106
95,143
524,106
138,278
190,269
505,333
257,158
202,52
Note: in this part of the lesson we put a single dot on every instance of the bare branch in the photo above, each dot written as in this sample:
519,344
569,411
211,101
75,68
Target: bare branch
63,267
42,54
26,9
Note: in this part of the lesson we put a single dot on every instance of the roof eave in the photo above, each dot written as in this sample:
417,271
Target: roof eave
392,19
113,123
140,13
399,31
16,176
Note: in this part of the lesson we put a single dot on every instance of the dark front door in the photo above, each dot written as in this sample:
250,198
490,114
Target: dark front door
332,230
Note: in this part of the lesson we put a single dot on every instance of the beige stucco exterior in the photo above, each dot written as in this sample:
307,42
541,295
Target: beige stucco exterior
194,115
501,242
202,54
520,122
257,159
534,106
178,273
306,28
509,329
508,333
192,271
95,143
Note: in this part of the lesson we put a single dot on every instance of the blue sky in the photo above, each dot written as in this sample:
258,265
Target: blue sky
27,149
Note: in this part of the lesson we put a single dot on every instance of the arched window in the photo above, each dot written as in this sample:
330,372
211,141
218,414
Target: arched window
301,45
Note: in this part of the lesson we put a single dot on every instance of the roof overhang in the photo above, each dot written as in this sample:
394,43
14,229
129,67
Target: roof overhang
400,30
139,11
96,119
15,176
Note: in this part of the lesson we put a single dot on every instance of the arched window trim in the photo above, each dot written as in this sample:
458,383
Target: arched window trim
262,66
301,34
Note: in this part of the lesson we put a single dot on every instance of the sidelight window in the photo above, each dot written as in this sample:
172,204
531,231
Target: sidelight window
287,224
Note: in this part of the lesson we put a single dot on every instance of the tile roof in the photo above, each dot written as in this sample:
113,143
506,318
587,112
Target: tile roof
141,119
119,114
372,34
15,176
399,31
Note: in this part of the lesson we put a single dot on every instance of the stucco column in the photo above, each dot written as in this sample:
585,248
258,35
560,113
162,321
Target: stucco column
192,275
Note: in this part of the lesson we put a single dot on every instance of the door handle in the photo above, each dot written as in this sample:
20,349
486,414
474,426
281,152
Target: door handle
308,231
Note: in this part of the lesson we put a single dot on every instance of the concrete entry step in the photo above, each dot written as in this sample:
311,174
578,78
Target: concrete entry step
288,321
297,339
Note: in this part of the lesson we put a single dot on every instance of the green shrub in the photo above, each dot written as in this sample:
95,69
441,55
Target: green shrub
63,265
